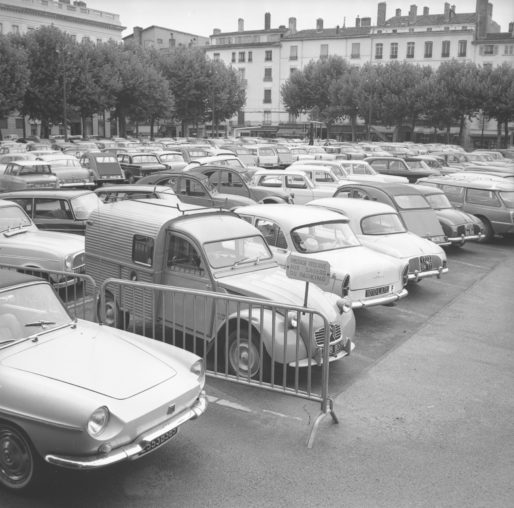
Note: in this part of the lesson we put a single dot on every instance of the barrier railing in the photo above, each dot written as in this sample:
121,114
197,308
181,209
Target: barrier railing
77,291
249,341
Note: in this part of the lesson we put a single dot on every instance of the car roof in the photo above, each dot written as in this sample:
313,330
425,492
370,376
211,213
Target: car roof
388,187
12,277
476,184
30,163
134,187
58,193
290,216
354,206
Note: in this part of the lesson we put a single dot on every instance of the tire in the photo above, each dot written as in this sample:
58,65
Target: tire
488,229
244,358
111,315
20,466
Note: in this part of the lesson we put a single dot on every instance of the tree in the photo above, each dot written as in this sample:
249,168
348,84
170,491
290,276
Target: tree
14,76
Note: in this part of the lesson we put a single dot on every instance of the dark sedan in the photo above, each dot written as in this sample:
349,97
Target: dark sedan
398,167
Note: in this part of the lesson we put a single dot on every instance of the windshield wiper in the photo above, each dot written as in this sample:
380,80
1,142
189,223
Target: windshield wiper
40,323
246,260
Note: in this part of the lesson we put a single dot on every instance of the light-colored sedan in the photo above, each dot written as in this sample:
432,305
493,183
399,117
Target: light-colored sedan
28,174
80,395
379,227
368,277
23,244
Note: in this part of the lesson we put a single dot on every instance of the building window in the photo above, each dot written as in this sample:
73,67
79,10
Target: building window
268,55
379,49
241,57
3,123
445,51
508,49
428,49
488,49
267,74
462,48
267,96
19,123
216,57
293,53
233,56
323,51
356,50
394,50
410,50
16,29
250,56
267,118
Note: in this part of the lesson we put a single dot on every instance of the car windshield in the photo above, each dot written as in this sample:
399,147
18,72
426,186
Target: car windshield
236,251
383,224
438,201
339,172
411,202
233,163
145,158
323,236
13,217
106,159
30,309
171,157
83,205
508,198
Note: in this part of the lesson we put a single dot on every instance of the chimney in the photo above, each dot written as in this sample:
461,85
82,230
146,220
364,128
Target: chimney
138,35
366,22
216,31
490,11
292,25
511,28
398,13
267,21
425,11
357,22
381,14
413,14
482,21
319,24
338,29
446,11
240,25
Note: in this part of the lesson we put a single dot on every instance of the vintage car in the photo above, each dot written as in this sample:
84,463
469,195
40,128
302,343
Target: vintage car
120,192
379,227
31,174
414,209
173,160
104,166
294,182
398,167
68,170
368,277
360,169
15,156
65,211
242,153
196,189
267,156
217,252
239,181
460,227
65,401
490,201
24,245
136,165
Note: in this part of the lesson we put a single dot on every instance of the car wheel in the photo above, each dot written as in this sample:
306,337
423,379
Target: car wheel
18,460
488,229
244,355
111,315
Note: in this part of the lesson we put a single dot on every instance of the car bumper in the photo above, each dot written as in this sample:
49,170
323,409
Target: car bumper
418,275
461,240
387,299
145,443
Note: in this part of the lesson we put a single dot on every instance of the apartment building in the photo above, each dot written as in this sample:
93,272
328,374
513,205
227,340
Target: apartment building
164,39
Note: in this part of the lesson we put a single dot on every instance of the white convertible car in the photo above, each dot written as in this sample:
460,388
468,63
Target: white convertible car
368,277
379,227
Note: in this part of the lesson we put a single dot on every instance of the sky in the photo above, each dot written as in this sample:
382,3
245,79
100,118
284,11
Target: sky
200,17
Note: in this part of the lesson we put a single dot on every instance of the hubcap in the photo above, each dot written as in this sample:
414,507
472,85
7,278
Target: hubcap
15,459
244,358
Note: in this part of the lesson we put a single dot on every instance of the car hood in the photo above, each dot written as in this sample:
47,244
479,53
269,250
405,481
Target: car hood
274,285
455,217
92,358
402,245
48,241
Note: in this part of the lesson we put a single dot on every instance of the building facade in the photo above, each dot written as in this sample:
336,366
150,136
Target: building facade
164,39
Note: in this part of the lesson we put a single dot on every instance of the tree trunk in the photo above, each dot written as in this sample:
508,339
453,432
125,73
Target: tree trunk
353,123
498,134
506,124
461,130
448,134
152,122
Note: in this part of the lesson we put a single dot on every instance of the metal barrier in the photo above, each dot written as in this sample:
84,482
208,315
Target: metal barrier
242,340
77,291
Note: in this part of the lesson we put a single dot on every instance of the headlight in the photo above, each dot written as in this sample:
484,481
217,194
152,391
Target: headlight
292,319
68,262
98,421
198,369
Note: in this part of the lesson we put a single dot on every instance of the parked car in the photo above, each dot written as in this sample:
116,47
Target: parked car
489,200
229,161
23,244
31,174
294,182
65,211
368,277
69,171
113,193
460,227
173,160
242,153
65,401
104,166
285,157
267,156
398,167
414,209
139,164
14,156
190,152
196,189
228,180
214,251
379,227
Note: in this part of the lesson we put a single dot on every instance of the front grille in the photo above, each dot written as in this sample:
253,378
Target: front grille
467,230
426,263
382,290
319,334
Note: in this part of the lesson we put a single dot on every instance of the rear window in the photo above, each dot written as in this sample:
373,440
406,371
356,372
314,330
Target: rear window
411,202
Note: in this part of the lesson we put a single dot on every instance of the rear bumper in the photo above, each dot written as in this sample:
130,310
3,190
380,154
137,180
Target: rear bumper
380,300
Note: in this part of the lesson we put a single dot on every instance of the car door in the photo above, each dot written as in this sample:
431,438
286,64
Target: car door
54,214
230,182
191,191
300,187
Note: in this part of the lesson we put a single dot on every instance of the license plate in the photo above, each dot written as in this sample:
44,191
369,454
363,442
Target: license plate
377,291
158,441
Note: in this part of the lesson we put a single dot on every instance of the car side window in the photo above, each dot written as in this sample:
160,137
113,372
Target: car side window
191,187
272,233
295,182
183,256
229,179
483,197
453,193
52,209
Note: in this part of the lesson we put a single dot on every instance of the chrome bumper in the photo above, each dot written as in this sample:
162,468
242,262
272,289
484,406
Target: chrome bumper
135,449
461,240
380,300
417,275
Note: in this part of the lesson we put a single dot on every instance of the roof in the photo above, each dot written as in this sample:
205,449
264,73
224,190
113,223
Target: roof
388,188
354,207
479,183
58,193
468,18
290,216
10,278
134,187
330,33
